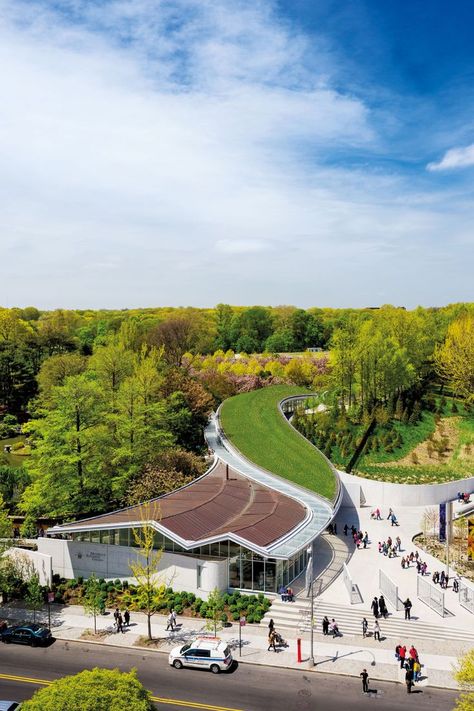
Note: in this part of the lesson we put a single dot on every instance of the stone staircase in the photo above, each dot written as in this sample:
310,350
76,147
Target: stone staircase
295,616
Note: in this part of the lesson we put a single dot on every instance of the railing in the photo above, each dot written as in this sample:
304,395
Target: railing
351,587
466,597
430,595
389,589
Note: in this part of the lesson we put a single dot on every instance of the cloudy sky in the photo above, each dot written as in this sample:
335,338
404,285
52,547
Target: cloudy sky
190,152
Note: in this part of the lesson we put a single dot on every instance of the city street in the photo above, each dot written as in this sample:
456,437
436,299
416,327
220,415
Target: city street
247,688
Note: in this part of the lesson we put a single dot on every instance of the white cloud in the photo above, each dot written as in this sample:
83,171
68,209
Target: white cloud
135,135
241,246
454,158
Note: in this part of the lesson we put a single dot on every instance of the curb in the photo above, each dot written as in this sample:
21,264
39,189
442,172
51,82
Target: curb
303,667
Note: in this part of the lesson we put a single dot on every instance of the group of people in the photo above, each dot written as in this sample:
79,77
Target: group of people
376,629
410,661
390,517
287,594
390,547
379,607
330,627
359,538
121,621
463,497
443,580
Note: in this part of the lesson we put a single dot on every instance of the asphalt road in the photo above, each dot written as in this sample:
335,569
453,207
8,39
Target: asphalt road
246,688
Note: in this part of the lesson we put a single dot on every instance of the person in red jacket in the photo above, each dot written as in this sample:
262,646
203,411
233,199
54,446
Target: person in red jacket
413,653
402,652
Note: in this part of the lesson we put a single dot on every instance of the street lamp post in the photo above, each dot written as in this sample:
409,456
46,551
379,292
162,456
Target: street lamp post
310,591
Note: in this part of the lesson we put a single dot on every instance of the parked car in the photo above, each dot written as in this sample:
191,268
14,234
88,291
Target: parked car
203,653
9,705
34,635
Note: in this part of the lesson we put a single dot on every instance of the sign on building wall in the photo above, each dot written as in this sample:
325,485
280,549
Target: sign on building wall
470,538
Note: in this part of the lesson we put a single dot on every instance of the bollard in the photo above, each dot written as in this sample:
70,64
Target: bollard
298,650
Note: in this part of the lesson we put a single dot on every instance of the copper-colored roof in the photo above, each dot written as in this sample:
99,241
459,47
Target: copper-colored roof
219,503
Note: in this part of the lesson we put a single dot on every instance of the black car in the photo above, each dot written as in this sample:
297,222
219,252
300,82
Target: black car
34,635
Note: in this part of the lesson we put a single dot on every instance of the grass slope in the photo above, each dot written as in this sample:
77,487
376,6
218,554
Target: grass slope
255,426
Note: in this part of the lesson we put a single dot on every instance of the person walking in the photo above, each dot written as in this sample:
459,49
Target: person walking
334,628
365,539
407,605
272,641
346,528
116,614
417,670
120,623
413,652
175,618
271,626
365,681
390,512
409,679
126,617
169,625
377,515
375,607
383,607
401,655
377,630
365,627
325,625
399,543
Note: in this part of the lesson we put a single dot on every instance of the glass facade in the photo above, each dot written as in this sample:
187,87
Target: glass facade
247,570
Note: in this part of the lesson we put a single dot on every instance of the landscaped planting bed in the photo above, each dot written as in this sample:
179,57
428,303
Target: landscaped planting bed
253,423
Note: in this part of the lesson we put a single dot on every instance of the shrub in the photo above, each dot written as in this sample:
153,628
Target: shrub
118,584
80,580
178,609
224,618
236,616
250,619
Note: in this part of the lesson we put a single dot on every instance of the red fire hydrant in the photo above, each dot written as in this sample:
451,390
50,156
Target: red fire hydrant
298,650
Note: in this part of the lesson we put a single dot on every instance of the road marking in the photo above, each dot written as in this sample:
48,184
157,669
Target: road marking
192,704
158,699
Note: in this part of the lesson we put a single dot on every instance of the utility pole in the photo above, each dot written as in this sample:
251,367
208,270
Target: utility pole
310,591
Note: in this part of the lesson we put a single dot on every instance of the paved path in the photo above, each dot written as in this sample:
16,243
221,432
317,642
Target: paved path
339,656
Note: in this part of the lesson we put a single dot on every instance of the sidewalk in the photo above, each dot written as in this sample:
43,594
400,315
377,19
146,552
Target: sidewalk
347,656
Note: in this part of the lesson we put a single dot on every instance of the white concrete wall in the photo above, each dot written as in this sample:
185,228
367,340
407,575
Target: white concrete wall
378,493
73,558
42,562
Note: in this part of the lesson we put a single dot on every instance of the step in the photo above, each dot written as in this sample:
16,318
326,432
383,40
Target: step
297,616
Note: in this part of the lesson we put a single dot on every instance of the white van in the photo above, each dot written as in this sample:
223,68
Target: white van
204,653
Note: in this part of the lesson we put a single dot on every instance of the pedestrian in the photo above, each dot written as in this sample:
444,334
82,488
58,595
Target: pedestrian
375,607
455,585
377,515
397,652
169,622
441,579
365,681
116,614
413,653
377,630
365,627
417,555
346,528
424,568
334,628
271,626
335,528
407,605
365,539
126,617
412,557
402,563
175,618
399,543
272,641
325,624
383,607
390,512
446,581
418,566
409,680
120,624
380,547
401,655
417,670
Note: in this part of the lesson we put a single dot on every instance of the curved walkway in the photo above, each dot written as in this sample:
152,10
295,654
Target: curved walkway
319,511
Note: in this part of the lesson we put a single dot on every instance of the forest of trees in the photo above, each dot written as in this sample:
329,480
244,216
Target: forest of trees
114,402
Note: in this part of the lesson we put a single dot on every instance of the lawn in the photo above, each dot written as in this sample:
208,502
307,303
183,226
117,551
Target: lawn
253,423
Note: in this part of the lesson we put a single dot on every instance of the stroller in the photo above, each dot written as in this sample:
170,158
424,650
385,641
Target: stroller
279,641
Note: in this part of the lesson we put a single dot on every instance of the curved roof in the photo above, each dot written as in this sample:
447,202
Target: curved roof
221,504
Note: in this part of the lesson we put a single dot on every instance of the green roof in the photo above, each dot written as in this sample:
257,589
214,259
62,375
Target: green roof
255,426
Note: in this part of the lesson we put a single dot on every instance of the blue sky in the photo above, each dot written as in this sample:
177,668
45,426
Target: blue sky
198,151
